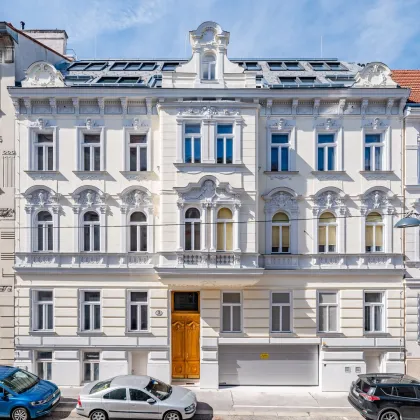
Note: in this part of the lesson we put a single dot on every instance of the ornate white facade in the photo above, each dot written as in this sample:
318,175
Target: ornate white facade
217,208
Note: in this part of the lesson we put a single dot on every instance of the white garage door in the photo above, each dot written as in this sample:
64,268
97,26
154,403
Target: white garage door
268,365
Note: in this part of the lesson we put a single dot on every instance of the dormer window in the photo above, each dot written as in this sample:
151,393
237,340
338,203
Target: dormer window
209,67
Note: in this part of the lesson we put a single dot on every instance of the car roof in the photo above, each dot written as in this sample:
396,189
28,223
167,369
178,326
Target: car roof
131,380
388,378
5,371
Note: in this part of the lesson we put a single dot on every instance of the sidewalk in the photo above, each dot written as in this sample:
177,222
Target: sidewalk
255,401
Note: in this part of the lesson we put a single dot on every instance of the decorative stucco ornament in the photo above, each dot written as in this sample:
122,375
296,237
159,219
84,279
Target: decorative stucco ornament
374,75
42,74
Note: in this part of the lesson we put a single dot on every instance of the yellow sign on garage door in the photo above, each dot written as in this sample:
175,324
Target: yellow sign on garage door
264,356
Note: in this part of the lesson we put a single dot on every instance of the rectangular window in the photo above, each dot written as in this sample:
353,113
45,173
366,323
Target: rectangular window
138,152
279,152
43,310
327,312
281,312
138,310
374,312
44,365
326,152
373,152
231,311
44,152
224,143
91,310
90,366
192,143
91,148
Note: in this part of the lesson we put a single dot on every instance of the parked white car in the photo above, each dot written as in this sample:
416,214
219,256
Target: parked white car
140,397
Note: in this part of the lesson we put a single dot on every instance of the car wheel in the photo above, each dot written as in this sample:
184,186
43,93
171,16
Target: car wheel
389,415
20,413
98,415
172,415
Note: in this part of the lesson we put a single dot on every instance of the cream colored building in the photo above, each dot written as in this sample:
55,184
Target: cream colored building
17,52
227,221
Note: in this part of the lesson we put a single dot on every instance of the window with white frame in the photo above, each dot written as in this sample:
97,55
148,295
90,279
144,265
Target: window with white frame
327,233
327,312
43,308
192,143
280,152
373,152
192,229
280,233
44,152
90,366
138,232
91,152
138,152
44,365
231,311
138,311
91,310
44,231
208,67
224,230
374,311
326,152
374,233
224,145
281,312
91,231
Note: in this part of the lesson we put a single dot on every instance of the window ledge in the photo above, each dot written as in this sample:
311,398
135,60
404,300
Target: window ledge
281,172
328,172
378,175
43,174
40,332
138,175
93,333
91,174
376,334
139,333
209,167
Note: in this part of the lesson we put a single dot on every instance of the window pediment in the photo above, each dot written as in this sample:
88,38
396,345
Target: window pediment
379,200
89,197
281,199
135,198
329,200
41,197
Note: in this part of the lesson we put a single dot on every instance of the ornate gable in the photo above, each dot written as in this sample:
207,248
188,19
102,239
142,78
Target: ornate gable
374,75
42,74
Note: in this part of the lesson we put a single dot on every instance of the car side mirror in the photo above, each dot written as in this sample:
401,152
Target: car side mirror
151,401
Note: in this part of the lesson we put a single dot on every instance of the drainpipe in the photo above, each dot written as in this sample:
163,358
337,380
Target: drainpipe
403,292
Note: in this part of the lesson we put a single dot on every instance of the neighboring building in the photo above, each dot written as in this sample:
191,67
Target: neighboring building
17,52
411,146
228,221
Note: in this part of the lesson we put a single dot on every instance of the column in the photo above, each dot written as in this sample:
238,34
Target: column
29,223
203,227
212,142
342,221
150,230
268,238
181,226
56,228
315,221
237,147
294,245
363,212
179,141
236,227
103,229
213,227
389,227
77,233
123,224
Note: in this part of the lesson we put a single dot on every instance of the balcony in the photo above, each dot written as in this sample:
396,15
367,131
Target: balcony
99,260
374,261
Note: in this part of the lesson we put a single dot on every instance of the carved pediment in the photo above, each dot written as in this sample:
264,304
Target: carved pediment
42,74
207,111
374,75
89,198
329,200
209,191
136,198
281,200
377,200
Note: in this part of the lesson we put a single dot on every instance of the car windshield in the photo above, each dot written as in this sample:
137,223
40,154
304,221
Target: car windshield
159,389
100,386
20,381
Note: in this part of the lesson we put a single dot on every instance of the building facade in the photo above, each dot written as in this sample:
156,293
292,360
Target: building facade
218,220
411,146
17,52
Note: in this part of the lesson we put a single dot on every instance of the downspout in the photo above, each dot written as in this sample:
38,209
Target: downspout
403,338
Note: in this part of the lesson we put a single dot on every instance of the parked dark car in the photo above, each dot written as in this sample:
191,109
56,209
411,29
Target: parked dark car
386,396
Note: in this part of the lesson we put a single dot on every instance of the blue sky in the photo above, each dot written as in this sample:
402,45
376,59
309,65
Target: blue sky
352,30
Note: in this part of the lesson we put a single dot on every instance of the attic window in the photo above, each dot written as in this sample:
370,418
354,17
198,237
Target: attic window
275,66
133,66
169,66
129,80
307,80
287,80
253,66
293,65
155,81
96,66
209,67
118,66
336,65
77,79
107,80
148,66
319,65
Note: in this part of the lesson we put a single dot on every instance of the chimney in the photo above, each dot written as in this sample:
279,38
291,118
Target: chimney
56,39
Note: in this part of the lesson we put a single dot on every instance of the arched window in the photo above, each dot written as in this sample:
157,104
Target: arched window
138,232
44,231
327,233
209,67
192,230
280,233
374,232
91,231
224,230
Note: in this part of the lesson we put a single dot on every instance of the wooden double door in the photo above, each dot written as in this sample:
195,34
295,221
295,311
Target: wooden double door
185,345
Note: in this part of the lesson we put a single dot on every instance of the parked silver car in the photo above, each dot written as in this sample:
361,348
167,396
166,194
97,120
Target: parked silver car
140,397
